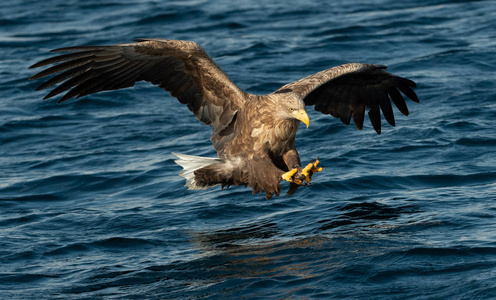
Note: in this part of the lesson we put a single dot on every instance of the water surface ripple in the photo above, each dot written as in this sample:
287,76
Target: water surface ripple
92,207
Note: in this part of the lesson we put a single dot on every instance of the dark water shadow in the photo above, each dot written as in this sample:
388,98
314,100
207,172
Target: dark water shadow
234,237
365,214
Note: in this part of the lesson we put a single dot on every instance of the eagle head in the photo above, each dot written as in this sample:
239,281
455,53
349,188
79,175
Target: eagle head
292,107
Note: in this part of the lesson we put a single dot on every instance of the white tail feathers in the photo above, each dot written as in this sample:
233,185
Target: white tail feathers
192,163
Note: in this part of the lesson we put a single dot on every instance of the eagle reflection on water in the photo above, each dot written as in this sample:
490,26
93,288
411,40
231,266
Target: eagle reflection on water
260,250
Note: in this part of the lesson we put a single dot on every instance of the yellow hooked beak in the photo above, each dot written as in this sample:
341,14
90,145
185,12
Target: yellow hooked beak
302,116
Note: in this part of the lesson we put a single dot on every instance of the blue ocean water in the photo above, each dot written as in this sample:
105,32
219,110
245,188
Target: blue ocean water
92,207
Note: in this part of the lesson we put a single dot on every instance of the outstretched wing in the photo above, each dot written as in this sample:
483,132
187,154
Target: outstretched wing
182,68
346,91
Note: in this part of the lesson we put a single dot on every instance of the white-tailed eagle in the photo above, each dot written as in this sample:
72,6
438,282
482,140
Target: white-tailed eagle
254,135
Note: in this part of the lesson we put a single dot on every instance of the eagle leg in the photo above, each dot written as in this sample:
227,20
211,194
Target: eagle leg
310,169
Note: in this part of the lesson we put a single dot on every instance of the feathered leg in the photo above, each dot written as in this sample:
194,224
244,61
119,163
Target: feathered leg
294,176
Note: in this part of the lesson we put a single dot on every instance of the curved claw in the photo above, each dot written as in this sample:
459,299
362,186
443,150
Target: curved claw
310,169
288,176
307,173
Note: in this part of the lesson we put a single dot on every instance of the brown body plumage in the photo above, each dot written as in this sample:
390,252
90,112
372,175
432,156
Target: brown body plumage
254,136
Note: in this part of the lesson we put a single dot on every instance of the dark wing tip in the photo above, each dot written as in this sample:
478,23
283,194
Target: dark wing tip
410,83
34,66
48,96
41,87
63,99
382,67
405,86
37,75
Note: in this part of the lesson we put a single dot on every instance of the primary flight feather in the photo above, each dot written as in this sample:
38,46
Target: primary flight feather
254,135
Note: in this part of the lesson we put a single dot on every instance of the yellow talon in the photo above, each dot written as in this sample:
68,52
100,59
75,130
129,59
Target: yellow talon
310,169
288,175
